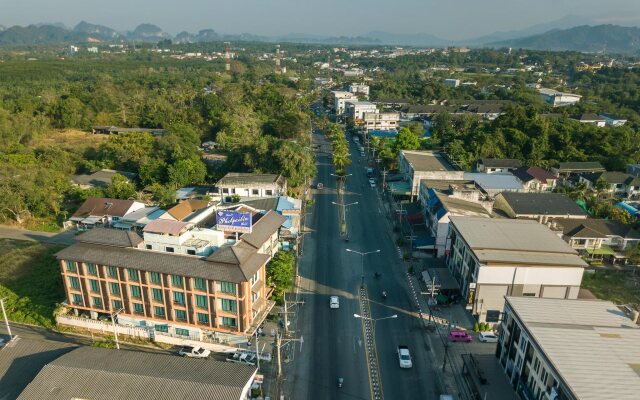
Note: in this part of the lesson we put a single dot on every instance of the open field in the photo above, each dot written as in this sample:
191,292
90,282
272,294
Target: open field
617,286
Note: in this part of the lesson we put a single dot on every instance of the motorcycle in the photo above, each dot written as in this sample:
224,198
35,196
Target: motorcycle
340,382
377,275
384,295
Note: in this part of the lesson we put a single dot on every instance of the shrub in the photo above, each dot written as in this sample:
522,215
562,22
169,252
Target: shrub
476,327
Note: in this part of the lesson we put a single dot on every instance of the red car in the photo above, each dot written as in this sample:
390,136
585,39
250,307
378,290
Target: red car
460,336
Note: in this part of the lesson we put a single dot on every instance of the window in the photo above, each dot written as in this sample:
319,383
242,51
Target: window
229,322
112,271
95,285
182,332
135,291
114,288
158,312
201,301
91,269
176,281
97,302
228,287
199,284
77,299
137,308
191,252
269,192
74,283
71,266
203,318
117,305
229,305
157,294
178,298
254,297
161,328
528,295
225,190
169,249
181,315
133,275
255,278
255,192
155,277
149,247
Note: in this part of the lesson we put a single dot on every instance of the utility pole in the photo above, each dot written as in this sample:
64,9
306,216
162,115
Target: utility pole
279,344
384,178
446,344
6,320
115,330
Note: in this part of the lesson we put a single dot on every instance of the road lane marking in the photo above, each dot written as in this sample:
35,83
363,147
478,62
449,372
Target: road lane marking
371,353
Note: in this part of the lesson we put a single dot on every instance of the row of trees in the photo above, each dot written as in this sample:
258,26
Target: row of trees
340,148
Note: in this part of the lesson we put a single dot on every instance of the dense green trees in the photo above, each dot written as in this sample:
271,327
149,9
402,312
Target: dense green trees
280,272
340,148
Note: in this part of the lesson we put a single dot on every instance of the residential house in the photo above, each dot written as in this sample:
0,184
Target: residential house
100,179
191,210
248,185
633,169
486,111
181,295
616,183
554,349
138,219
538,206
493,184
592,119
101,211
612,120
569,172
359,89
419,111
606,240
381,121
452,82
111,130
416,165
494,258
392,102
497,165
557,99
104,374
535,179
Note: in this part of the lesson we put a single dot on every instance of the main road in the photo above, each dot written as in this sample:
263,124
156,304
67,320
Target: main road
333,338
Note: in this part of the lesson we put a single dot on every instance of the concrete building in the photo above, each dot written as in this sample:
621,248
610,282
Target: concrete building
359,89
612,120
557,99
416,165
493,258
538,206
497,165
174,294
535,179
592,119
355,110
553,349
388,121
339,98
247,185
493,184
452,82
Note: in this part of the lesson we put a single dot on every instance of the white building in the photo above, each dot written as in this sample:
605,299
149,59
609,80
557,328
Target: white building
452,82
339,98
612,120
557,98
355,110
554,349
181,238
247,185
497,165
381,121
416,165
493,258
359,88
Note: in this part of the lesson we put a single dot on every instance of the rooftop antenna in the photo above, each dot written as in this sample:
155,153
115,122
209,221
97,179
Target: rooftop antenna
227,56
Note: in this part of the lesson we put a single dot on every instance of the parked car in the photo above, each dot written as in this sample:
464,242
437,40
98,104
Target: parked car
320,185
194,352
241,357
372,184
334,302
460,336
488,337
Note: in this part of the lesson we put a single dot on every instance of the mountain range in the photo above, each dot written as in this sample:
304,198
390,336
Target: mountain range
568,33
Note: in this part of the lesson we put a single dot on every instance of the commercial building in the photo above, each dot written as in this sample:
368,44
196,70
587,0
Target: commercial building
554,349
359,89
355,110
381,121
497,165
416,165
557,99
176,281
539,206
338,99
493,258
247,185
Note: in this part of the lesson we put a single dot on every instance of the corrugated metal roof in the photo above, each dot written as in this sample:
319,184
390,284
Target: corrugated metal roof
110,237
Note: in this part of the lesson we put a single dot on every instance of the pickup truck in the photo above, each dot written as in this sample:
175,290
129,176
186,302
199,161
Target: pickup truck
194,352
404,357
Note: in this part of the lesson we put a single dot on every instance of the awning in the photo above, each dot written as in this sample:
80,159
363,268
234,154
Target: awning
424,243
602,251
401,187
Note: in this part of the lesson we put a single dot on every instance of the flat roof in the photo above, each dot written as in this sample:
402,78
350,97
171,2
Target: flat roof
515,241
426,161
494,181
542,204
590,344
462,207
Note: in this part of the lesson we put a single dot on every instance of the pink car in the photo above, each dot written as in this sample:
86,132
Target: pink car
460,336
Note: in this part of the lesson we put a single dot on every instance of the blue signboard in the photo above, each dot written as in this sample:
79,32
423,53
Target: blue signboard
233,221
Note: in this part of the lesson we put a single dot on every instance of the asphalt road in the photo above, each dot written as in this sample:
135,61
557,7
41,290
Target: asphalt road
333,339
10,232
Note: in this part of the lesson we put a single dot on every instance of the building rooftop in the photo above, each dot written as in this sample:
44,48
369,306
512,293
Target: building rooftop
508,241
110,237
100,178
426,161
526,174
102,206
239,179
589,343
494,181
265,227
94,373
500,162
187,207
612,177
462,207
579,166
542,204
593,227
591,117
167,226
553,92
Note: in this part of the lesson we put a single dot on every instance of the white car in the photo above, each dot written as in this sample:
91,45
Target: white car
372,184
487,337
334,302
194,352
404,357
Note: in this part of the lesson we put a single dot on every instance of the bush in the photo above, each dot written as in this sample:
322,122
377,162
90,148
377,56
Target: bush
476,327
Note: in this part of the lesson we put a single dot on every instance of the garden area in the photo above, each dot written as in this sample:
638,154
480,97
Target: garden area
30,281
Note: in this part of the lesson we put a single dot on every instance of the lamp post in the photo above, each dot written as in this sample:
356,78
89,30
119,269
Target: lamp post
343,215
362,261
374,320
115,331
6,320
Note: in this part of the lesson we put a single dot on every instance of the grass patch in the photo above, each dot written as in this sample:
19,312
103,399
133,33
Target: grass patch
43,225
30,281
617,286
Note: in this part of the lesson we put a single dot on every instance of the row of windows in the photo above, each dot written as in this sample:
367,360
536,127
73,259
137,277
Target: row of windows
154,277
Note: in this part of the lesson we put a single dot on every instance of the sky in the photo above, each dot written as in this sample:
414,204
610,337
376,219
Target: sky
459,19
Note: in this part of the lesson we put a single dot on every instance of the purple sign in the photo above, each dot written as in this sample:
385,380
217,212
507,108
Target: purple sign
233,221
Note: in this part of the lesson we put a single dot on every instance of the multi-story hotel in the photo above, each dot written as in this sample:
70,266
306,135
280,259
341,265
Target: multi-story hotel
178,280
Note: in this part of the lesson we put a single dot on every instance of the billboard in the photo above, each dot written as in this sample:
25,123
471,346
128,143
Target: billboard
233,221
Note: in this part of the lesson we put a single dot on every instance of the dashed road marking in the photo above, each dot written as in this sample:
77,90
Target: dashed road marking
371,354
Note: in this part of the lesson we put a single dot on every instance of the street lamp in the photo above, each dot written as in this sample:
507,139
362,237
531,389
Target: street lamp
115,331
374,320
362,261
6,320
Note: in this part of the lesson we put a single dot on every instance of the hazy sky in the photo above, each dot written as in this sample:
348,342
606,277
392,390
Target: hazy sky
450,19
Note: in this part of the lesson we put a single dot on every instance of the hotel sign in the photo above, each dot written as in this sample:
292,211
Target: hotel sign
233,221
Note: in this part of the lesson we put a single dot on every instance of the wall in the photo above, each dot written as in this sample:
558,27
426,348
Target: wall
571,276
